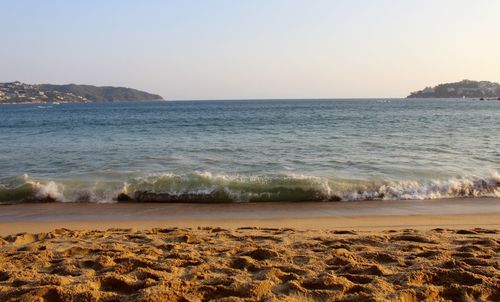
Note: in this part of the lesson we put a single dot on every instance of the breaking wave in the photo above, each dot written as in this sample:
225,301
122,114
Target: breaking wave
208,187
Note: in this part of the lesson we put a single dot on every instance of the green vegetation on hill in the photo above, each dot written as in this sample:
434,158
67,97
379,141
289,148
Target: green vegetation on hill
465,88
101,94
17,92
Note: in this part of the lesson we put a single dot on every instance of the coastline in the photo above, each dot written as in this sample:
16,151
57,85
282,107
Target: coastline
358,223
359,215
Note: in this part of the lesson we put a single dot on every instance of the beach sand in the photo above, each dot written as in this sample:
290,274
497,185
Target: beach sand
446,250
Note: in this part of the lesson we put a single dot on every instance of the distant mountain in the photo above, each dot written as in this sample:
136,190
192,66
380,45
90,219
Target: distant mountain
465,88
17,92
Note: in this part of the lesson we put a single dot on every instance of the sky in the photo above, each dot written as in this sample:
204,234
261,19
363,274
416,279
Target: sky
224,49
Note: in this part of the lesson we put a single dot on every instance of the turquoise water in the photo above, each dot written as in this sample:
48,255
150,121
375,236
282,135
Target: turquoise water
256,150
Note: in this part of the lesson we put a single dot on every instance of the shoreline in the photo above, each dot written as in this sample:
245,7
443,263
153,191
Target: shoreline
357,223
358,215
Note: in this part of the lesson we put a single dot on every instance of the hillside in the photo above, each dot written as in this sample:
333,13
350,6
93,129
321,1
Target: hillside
462,89
17,92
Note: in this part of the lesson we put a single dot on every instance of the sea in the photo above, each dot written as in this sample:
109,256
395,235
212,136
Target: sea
250,151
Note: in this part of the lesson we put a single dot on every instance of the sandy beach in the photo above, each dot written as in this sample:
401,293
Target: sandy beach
439,250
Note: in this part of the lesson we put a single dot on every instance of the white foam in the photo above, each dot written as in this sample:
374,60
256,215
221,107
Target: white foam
242,188
49,190
435,189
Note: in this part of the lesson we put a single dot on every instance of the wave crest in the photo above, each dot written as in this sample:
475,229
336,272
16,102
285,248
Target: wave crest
209,187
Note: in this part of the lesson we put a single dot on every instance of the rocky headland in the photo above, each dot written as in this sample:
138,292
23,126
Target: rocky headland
462,89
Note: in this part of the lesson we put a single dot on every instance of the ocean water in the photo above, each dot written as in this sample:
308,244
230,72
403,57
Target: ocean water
246,151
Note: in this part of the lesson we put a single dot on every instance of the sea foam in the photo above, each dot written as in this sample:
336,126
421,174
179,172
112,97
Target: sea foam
212,187
50,190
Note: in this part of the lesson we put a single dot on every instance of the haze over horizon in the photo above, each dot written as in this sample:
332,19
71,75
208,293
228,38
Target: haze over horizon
257,49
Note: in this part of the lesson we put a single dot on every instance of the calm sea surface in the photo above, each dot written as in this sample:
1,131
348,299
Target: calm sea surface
251,150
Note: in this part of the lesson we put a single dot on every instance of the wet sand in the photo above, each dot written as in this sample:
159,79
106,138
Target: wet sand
437,250
366,215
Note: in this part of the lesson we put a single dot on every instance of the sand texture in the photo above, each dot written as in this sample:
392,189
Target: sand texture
251,264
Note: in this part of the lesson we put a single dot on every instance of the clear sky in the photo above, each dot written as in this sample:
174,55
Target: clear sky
211,49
